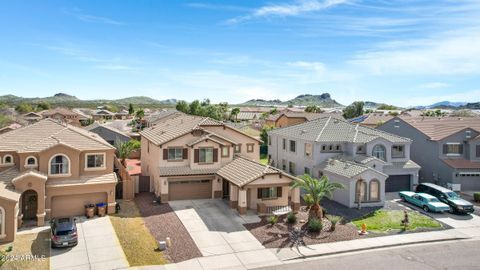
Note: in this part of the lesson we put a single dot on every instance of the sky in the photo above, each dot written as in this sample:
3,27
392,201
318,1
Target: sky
402,52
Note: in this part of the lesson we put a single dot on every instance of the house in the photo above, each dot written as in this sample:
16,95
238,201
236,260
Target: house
51,169
111,135
32,117
154,118
294,118
102,115
372,119
447,148
122,115
190,157
10,127
65,115
367,161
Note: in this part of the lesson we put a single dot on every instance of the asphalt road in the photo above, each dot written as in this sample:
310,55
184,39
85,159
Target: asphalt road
457,255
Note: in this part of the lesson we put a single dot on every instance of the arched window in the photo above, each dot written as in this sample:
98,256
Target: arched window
361,190
8,159
379,152
59,164
2,223
31,161
374,190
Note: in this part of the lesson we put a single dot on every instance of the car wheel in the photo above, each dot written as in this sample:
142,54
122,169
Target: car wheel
425,208
403,199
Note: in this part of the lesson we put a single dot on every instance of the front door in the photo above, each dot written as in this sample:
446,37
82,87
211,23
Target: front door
226,189
29,204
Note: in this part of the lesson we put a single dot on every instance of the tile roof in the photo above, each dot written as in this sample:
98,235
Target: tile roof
242,171
59,110
84,180
134,166
462,163
185,170
330,129
158,116
440,128
374,119
248,115
7,189
109,127
409,164
346,168
48,133
363,159
307,116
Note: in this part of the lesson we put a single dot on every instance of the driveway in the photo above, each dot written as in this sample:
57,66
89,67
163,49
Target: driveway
98,248
215,228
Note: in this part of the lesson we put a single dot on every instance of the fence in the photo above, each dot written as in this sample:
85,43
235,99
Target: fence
128,183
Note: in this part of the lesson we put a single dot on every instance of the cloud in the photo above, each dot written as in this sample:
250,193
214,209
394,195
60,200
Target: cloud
114,67
98,19
312,66
284,10
434,85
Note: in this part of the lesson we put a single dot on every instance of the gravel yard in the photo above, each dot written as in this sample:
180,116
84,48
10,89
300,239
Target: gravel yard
162,222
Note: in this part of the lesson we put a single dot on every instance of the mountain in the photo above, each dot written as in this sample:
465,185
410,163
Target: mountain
447,104
144,100
371,104
324,100
471,106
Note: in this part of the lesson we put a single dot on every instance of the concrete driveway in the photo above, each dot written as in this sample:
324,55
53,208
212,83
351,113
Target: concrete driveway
98,248
215,228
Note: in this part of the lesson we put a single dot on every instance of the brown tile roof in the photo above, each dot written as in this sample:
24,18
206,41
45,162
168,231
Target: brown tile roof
374,119
185,170
462,163
307,116
48,133
59,110
440,128
134,166
84,180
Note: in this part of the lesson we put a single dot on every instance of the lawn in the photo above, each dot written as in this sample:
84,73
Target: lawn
382,221
36,244
139,245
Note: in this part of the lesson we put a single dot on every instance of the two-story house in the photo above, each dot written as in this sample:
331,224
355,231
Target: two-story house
51,169
189,157
368,162
447,148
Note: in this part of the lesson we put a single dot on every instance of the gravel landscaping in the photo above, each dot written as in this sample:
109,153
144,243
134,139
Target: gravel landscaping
162,222
282,234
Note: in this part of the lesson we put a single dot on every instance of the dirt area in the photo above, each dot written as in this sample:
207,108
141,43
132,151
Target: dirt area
35,249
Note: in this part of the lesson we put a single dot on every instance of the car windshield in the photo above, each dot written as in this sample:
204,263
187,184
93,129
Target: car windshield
452,195
433,200
67,232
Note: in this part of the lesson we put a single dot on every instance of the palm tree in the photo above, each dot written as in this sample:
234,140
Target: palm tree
124,149
234,113
316,189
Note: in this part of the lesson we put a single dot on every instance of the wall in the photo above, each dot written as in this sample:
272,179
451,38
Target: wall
109,135
11,210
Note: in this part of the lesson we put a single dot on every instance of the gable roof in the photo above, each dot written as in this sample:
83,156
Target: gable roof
48,133
109,127
59,110
158,116
330,129
346,168
305,115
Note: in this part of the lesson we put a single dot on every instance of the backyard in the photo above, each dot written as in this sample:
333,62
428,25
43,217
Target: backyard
36,244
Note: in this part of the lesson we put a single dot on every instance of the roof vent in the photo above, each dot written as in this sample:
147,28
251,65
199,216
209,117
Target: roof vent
335,121
303,131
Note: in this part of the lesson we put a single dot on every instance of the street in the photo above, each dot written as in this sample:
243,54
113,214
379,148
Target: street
457,255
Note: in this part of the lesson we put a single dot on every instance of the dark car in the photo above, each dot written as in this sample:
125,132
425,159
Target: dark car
457,204
64,232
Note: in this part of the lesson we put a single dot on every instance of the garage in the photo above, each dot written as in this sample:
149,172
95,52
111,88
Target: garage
395,183
469,182
74,205
189,190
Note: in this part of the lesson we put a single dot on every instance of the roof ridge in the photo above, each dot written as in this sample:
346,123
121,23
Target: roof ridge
323,128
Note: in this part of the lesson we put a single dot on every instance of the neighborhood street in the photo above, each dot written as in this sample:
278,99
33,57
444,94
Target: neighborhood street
458,255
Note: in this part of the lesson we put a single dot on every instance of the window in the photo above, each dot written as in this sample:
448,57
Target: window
206,155
379,152
269,193
225,151
291,167
59,165
238,148
269,140
398,151
361,190
284,164
396,124
250,147
8,159
477,151
293,145
284,144
374,190
31,161
95,161
308,149
330,147
306,170
453,149
468,134
324,147
2,223
360,149
338,147
175,154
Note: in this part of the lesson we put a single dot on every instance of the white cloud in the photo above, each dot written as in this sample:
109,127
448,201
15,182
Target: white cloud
97,19
434,85
317,67
294,9
114,67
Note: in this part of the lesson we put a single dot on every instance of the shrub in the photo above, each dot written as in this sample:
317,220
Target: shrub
334,220
315,225
291,217
273,220
476,196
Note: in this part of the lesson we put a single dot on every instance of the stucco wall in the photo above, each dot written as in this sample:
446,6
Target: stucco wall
11,209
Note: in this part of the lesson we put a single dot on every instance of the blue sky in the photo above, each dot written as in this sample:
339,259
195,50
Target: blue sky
398,52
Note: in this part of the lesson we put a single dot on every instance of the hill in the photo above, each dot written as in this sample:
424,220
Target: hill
324,100
471,106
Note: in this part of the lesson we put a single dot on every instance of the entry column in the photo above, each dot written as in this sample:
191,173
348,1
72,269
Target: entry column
242,201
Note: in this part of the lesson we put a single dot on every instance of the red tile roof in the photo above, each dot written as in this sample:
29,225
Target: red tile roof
462,163
133,166
440,128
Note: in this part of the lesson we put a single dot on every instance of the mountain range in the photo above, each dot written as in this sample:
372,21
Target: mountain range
324,101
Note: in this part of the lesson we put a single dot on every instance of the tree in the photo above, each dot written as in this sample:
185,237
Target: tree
182,106
234,113
140,114
313,109
387,107
24,108
124,149
131,110
264,134
43,105
316,190
194,108
353,110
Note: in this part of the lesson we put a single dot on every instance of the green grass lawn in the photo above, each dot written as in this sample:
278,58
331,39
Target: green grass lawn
382,221
264,159
137,242
29,244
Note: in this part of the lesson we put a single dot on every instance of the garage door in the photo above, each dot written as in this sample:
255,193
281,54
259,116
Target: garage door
470,183
396,183
74,205
189,190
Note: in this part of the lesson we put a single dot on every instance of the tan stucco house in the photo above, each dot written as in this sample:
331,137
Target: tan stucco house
188,157
50,169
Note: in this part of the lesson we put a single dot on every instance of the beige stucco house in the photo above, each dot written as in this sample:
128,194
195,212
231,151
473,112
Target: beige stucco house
50,169
188,157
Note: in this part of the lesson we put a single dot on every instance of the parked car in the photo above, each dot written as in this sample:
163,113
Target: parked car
64,232
426,201
457,204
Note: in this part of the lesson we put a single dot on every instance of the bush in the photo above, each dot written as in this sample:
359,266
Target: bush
315,225
291,217
476,196
334,220
272,220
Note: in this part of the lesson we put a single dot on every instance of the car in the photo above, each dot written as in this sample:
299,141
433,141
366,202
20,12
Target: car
456,203
426,201
64,232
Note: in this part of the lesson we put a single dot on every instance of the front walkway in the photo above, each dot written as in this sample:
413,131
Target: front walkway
98,248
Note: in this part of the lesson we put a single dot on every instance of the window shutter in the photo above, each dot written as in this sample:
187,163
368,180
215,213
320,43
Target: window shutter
165,154
460,148
279,192
478,150
215,154
445,149
259,193
196,155
185,153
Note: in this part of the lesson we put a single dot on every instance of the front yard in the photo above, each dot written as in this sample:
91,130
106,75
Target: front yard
35,249
391,220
